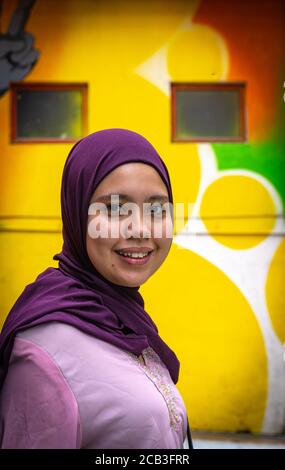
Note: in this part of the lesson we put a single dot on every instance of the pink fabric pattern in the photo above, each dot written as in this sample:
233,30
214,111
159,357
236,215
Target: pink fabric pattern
152,368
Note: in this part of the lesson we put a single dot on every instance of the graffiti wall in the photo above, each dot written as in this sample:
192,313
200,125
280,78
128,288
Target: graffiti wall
218,299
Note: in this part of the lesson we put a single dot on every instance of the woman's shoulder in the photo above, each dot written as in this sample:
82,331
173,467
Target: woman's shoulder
52,340
48,329
64,341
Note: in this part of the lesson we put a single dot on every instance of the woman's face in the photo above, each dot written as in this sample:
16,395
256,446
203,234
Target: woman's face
145,229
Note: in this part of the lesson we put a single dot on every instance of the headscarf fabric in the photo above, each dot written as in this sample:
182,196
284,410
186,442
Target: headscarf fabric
76,293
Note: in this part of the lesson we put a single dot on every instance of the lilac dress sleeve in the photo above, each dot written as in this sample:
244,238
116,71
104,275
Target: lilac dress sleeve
38,409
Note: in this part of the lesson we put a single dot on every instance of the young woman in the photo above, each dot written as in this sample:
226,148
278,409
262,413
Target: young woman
82,363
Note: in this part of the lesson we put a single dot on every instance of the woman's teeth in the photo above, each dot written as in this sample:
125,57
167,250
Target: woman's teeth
134,255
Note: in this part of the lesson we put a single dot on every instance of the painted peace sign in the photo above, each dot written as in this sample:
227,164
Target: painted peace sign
17,54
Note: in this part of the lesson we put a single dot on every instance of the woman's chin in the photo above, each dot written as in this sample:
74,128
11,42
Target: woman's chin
131,281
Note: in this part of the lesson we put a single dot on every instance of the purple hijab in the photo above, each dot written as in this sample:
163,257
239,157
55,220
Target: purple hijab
75,292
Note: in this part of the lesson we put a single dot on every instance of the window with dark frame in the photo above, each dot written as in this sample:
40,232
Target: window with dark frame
208,112
48,112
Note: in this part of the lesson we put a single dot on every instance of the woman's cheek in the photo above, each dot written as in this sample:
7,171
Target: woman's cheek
168,227
91,227
98,227
163,228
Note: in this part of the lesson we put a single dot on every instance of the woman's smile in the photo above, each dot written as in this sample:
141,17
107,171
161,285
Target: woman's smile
135,256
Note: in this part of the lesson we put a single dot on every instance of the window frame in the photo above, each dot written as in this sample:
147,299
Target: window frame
46,86
225,86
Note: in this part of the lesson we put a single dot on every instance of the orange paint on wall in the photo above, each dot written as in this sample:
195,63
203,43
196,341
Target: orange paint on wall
254,32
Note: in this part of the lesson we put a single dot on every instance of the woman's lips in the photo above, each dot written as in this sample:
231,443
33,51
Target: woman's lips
137,261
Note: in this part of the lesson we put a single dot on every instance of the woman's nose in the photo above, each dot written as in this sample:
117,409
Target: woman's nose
139,225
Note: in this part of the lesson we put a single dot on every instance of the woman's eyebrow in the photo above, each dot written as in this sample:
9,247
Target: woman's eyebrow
126,197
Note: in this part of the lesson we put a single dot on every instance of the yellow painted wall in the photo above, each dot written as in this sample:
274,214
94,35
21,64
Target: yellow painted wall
128,52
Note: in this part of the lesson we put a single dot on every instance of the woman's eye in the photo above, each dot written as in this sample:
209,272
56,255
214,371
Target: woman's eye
116,209
156,209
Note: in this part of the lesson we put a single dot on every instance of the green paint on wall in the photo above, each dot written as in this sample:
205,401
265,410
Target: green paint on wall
265,158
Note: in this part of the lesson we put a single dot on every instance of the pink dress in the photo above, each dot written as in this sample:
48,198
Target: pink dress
67,389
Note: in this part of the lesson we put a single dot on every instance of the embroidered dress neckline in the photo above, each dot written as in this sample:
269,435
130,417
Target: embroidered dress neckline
150,363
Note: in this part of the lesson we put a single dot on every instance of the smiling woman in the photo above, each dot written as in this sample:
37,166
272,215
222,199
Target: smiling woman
132,257
82,362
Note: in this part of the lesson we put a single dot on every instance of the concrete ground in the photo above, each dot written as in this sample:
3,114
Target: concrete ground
216,440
